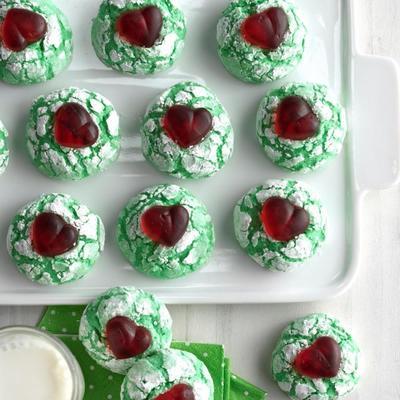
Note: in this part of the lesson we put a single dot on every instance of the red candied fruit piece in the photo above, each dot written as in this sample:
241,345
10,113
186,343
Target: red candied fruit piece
187,126
178,392
20,28
125,339
52,236
294,119
140,27
282,220
266,29
165,225
321,360
74,127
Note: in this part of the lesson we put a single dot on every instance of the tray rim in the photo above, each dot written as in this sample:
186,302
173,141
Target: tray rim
335,289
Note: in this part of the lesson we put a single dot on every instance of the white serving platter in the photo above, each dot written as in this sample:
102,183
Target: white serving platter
368,86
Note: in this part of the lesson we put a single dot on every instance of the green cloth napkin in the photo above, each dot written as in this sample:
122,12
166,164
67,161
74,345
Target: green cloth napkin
63,321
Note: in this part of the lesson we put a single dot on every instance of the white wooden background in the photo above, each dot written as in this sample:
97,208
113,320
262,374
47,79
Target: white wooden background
371,309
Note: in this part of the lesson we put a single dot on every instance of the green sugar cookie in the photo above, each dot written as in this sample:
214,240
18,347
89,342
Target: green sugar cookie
169,370
166,232
138,37
332,361
326,134
73,133
256,45
280,224
55,240
187,132
122,325
4,151
42,52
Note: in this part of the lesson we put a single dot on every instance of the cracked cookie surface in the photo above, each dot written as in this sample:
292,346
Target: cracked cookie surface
67,163
309,154
198,161
253,64
158,373
278,255
301,334
189,254
138,305
116,53
64,268
4,150
44,59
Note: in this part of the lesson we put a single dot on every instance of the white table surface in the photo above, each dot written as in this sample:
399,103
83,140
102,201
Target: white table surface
370,309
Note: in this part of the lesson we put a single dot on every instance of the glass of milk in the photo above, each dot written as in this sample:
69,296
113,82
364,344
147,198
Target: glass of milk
37,366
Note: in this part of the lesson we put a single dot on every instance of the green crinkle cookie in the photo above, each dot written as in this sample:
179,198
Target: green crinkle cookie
309,154
68,267
141,307
42,60
269,253
155,375
66,163
191,252
4,151
301,334
248,62
120,55
201,160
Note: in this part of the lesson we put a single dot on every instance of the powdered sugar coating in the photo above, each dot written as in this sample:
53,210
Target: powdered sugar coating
188,255
4,151
43,60
269,253
250,63
141,307
65,163
309,154
199,161
118,54
301,334
154,375
67,267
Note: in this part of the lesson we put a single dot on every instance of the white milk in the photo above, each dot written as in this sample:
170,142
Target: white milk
32,368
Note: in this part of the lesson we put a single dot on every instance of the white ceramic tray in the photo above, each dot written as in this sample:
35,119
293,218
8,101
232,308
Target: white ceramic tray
368,86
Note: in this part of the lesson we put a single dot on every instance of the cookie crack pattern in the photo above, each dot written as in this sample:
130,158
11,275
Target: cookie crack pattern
188,255
64,163
199,161
43,60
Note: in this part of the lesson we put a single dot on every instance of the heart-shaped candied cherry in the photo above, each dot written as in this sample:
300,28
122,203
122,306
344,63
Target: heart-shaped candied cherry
74,127
125,339
180,391
20,28
294,119
140,27
187,126
282,220
320,360
266,29
165,225
51,235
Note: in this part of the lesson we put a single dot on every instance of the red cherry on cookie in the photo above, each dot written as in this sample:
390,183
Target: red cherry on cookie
21,27
125,339
74,127
51,236
320,360
187,126
266,29
282,220
294,119
180,391
140,27
165,225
